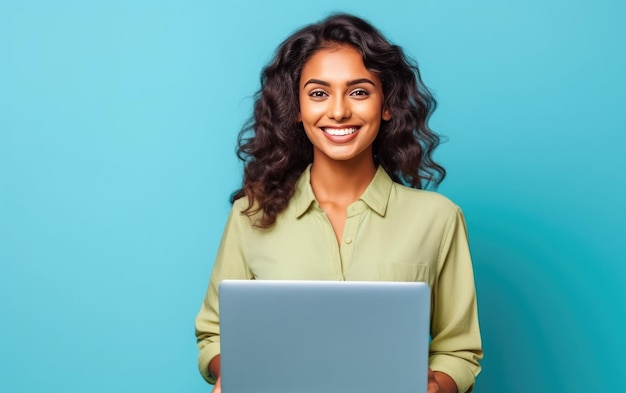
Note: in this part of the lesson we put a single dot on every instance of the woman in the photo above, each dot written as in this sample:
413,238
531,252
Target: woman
336,156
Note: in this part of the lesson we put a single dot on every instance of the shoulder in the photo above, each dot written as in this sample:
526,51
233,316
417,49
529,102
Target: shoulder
247,215
404,197
240,204
242,219
421,210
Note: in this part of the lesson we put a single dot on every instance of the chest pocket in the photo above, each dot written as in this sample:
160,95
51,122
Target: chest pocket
409,272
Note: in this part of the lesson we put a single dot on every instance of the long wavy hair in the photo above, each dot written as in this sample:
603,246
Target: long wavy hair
274,147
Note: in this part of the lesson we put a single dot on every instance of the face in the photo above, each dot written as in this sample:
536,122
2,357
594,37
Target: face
341,105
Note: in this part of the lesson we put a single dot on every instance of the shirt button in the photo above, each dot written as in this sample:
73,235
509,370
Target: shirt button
348,240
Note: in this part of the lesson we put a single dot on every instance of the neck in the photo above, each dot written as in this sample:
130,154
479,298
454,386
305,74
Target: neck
341,182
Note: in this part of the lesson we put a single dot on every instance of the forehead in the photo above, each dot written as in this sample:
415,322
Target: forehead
336,64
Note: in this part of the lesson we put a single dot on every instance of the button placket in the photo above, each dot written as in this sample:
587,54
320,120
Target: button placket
334,250
349,233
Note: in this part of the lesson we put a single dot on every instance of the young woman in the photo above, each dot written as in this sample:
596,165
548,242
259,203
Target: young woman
336,156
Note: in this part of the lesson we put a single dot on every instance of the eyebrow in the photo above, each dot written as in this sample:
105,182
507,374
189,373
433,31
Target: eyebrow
350,83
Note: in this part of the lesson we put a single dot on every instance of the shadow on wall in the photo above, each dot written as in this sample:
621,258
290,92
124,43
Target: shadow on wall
548,317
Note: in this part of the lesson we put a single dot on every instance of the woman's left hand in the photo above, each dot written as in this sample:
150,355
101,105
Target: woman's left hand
440,383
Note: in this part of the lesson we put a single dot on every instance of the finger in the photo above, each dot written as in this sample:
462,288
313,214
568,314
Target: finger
218,385
433,386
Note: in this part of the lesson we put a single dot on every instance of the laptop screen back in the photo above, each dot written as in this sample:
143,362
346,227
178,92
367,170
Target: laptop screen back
324,336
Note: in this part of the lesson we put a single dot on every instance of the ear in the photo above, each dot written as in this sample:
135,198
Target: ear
386,114
299,118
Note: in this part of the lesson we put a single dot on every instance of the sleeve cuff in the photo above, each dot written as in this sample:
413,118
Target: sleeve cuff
204,358
457,370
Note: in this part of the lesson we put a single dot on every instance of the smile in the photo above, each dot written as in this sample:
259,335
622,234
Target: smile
340,131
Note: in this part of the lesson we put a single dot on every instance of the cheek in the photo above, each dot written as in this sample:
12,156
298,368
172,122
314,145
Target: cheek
369,109
310,113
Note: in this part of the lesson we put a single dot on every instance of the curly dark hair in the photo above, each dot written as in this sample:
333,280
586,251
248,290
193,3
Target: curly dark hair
274,147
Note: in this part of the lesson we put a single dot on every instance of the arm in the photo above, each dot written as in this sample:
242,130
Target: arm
229,264
456,348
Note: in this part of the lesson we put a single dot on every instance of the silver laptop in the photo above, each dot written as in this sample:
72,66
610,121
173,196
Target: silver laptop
324,336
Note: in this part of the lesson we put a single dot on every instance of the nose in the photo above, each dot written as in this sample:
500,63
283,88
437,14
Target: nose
339,108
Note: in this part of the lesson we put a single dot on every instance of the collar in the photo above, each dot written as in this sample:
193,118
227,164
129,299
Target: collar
376,195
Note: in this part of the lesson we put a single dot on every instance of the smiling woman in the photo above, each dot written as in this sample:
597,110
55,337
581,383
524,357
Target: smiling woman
341,106
335,159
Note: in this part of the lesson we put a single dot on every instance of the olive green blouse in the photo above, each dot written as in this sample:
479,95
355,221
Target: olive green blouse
392,233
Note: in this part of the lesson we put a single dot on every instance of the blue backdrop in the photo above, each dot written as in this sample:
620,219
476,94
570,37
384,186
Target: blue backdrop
117,129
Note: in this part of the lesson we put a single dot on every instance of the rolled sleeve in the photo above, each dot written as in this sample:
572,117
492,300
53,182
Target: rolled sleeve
208,352
456,347
229,264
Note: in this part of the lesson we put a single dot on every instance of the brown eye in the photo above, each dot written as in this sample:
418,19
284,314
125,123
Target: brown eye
317,94
360,93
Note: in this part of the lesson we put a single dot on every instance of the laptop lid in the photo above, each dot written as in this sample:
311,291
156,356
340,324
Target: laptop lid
324,336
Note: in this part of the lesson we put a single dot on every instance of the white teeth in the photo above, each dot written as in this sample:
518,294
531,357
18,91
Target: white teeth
339,131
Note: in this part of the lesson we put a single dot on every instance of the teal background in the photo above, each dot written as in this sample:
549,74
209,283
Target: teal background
117,128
